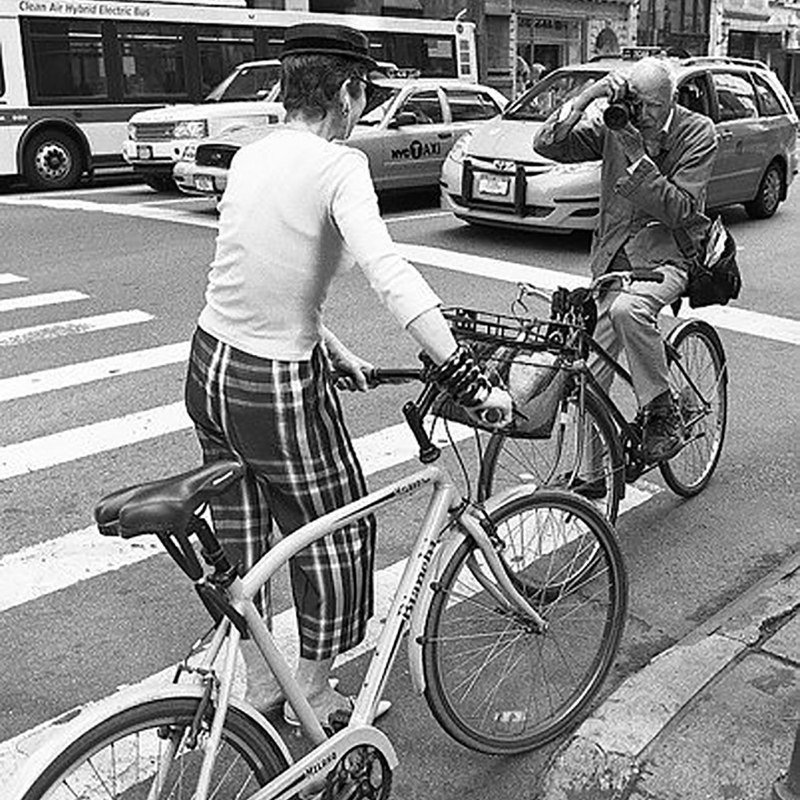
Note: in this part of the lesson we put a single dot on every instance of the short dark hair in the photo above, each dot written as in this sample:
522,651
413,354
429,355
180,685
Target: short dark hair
310,83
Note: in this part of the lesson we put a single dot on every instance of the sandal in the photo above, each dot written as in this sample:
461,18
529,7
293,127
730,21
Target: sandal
340,714
276,702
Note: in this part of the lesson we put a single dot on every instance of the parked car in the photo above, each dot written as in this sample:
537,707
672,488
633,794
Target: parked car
493,176
158,137
406,133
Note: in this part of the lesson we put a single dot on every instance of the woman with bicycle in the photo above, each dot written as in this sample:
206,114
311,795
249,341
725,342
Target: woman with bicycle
298,209
657,161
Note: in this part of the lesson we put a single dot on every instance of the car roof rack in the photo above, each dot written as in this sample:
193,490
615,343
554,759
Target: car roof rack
742,62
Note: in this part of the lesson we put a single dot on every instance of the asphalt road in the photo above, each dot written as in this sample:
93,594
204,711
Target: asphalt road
91,381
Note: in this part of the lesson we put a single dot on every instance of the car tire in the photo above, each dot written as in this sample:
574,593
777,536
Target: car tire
160,183
52,160
769,195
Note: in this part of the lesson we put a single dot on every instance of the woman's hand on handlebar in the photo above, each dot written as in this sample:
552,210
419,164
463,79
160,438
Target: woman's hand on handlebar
351,373
496,411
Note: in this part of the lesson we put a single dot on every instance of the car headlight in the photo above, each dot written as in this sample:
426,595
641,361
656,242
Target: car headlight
194,129
189,153
131,130
459,149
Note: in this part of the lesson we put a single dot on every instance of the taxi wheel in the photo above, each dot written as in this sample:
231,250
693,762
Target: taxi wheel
770,191
52,160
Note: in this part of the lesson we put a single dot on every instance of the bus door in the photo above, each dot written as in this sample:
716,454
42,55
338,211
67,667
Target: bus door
416,140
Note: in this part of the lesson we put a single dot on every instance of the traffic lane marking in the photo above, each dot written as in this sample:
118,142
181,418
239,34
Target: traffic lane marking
41,300
52,330
738,320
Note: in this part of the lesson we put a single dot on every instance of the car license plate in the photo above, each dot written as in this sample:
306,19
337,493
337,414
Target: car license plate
495,185
144,151
205,183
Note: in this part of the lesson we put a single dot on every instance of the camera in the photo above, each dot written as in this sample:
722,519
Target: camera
627,108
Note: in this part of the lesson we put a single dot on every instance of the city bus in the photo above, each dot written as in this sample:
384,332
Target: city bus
73,72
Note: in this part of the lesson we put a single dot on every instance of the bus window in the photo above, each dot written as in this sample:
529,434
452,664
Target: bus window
221,49
2,74
152,60
67,60
433,56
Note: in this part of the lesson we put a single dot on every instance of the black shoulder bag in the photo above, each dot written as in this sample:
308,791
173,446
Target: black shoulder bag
714,277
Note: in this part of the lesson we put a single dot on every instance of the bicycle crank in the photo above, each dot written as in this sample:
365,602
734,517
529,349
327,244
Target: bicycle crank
361,774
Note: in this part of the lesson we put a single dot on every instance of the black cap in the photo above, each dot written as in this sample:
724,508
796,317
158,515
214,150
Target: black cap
317,38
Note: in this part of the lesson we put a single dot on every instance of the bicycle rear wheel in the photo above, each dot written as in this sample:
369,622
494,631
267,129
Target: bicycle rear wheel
493,682
698,378
583,447
123,756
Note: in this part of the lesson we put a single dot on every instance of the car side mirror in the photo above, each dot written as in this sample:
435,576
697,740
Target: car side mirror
403,119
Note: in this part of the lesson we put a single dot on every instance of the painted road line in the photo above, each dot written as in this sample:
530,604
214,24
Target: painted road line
54,330
39,300
43,568
49,380
740,320
752,323
8,277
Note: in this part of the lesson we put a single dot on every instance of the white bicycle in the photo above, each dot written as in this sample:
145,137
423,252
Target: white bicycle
510,640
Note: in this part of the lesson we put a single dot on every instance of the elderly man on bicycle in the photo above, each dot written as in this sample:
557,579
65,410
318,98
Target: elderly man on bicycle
657,160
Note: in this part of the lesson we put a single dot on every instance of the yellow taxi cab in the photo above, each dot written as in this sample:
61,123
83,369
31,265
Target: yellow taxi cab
493,176
406,133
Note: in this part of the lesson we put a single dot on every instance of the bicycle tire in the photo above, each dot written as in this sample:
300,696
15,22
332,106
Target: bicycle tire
703,357
488,674
248,757
509,461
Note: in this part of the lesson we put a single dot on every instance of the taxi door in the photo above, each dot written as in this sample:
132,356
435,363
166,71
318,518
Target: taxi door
415,142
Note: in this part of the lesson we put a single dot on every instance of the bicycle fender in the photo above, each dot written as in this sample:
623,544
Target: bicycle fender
444,554
46,744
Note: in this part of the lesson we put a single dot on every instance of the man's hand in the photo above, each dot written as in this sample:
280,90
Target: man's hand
354,370
631,141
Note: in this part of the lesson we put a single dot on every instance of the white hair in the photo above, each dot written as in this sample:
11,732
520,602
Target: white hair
654,64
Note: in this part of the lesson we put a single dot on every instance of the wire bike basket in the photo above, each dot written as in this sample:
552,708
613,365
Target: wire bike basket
526,355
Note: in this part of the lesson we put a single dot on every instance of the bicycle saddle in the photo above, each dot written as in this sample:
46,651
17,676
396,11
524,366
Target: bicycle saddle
163,506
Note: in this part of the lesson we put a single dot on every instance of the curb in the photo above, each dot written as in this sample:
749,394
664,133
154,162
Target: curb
604,756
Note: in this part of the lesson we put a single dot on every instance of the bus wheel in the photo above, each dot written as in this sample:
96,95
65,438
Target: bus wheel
52,160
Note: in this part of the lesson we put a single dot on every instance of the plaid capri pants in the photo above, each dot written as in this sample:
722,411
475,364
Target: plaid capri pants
283,420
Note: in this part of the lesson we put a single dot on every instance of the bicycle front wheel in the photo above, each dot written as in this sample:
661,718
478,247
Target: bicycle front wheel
698,377
144,753
495,683
582,453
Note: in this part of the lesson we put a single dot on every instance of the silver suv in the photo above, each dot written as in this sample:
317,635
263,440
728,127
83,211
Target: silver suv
493,176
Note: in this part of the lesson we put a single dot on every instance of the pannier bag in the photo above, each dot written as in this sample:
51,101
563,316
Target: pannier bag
714,277
518,355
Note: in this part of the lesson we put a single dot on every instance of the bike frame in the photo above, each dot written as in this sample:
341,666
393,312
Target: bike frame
445,515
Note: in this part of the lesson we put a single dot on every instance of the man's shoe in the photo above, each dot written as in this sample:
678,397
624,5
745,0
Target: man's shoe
595,489
663,434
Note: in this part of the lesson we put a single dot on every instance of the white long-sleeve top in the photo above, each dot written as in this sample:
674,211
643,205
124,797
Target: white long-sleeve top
297,210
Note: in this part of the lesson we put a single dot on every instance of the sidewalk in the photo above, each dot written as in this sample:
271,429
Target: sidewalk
712,718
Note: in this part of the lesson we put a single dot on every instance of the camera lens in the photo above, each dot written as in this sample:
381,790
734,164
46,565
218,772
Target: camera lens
616,116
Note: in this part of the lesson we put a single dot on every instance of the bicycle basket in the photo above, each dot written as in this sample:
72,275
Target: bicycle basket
524,355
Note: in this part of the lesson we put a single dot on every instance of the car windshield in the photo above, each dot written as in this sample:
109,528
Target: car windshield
378,106
257,82
539,102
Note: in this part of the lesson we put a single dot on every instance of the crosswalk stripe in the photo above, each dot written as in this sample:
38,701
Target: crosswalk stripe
39,300
54,330
740,320
29,573
8,277
77,374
